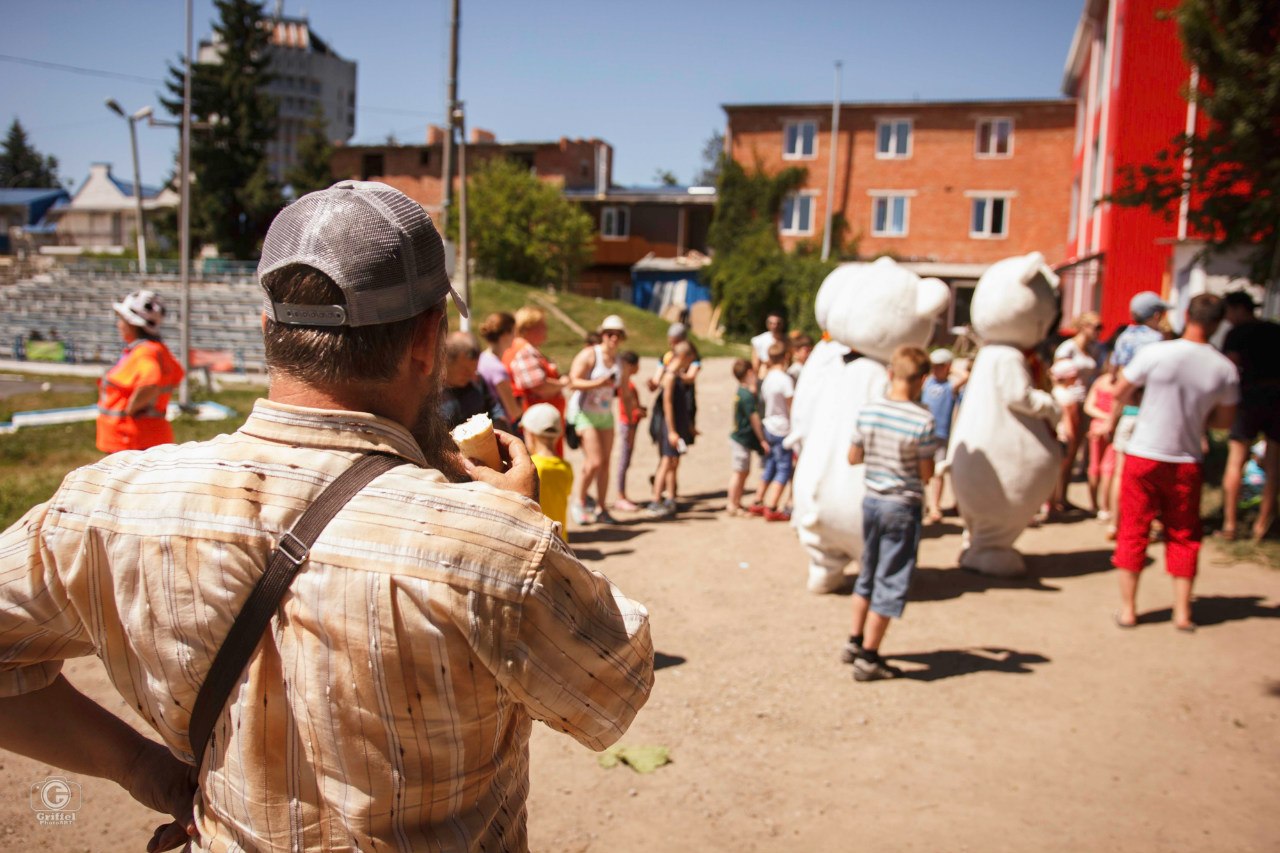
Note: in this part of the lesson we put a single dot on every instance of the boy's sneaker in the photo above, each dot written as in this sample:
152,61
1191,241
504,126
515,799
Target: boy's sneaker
603,517
757,509
669,505
580,514
656,509
851,652
776,515
878,670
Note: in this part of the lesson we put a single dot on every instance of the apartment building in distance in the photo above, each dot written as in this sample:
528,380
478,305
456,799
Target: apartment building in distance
631,224
308,76
945,187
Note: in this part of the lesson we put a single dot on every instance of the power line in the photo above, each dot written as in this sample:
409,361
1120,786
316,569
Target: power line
76,69
393,111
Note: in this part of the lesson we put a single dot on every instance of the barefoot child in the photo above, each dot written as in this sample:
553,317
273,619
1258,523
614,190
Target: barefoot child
747,436
894,436
542,429
630,413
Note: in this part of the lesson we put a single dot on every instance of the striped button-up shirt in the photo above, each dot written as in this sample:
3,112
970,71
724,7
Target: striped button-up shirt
390,704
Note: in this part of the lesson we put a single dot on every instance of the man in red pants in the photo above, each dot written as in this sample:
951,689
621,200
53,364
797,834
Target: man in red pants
1190,386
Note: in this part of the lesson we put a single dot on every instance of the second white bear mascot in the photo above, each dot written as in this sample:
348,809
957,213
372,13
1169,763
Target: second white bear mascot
872,309
1004,454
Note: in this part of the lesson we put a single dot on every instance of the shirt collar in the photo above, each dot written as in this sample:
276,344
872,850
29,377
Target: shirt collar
331,429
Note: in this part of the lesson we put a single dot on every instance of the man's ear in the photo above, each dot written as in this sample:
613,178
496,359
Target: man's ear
264,322
427,347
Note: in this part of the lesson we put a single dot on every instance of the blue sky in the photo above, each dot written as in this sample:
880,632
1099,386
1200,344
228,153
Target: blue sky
648,77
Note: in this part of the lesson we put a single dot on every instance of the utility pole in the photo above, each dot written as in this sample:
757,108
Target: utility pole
831,168
184,214
451,102
464,323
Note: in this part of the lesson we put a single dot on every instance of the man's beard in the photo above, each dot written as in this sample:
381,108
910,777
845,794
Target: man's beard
432,435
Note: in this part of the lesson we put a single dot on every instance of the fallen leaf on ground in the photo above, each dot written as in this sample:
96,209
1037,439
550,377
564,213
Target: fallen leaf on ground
642,759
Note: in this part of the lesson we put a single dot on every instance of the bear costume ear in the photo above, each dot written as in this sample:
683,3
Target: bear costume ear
932,298
1035,267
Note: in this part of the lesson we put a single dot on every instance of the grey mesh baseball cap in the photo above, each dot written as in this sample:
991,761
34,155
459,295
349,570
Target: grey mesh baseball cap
375,242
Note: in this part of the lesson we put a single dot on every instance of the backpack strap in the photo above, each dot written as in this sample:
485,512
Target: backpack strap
287,558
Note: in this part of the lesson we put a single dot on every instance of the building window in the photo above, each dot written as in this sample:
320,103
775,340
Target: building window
1073,223
371,166
893,138
889,215
990,219
800,139
797,213
995,137
615,223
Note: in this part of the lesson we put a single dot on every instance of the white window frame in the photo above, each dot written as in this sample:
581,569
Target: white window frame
977,137
893,138
798,123
989,196
609,222
888,196
785,228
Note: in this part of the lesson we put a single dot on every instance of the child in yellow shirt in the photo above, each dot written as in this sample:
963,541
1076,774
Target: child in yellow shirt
542,429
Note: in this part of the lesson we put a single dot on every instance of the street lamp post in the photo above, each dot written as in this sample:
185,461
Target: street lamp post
133,120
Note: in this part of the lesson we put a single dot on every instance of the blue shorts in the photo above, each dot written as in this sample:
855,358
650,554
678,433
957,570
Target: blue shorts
890,540
778,460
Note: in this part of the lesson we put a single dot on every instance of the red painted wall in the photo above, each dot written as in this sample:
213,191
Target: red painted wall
1147,112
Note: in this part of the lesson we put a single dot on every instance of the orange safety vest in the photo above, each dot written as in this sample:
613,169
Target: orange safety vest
143,362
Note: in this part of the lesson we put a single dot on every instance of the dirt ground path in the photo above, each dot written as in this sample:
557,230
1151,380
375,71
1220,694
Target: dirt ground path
1029,721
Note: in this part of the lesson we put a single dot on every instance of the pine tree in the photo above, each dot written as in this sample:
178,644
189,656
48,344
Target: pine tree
1234,179
233,197
311,171
21,165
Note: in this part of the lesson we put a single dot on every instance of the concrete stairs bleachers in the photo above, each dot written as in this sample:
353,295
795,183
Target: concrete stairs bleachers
225,313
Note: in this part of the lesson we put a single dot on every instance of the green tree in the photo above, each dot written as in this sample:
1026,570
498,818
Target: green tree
1234,178
233,196
522,229
751,274
311,171
21,165
666,178
712,152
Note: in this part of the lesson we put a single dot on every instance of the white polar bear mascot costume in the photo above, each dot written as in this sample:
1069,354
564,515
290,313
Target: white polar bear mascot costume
1004,453
872,309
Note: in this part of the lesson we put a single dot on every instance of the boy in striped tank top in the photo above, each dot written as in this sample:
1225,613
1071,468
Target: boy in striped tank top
894,437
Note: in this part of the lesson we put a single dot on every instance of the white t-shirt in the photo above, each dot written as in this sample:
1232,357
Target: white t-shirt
1184,382
760,345
775,390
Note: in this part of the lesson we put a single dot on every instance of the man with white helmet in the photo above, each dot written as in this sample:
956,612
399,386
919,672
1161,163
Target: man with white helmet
134,394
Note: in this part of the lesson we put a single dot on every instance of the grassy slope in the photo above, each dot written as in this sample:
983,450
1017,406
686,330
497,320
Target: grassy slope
646,332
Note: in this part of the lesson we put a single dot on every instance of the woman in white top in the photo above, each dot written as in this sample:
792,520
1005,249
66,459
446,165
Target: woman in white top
594,378
1081,349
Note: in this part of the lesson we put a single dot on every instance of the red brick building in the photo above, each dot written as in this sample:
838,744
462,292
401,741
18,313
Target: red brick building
574,164
948,186
631,224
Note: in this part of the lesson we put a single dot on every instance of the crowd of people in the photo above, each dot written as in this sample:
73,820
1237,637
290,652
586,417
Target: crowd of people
150,558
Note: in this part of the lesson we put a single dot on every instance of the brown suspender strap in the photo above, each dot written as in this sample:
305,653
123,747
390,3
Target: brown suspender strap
286,560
